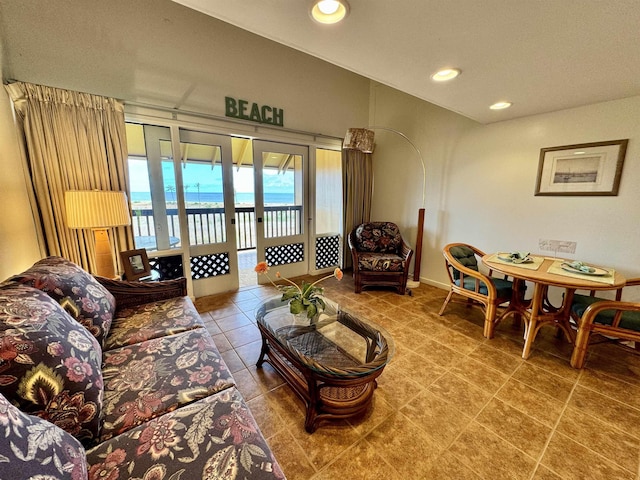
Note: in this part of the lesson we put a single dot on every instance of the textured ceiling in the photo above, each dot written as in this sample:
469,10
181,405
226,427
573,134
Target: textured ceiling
541,55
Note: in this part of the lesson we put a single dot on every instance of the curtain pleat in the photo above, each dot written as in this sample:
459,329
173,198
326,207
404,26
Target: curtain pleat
74,141
357,184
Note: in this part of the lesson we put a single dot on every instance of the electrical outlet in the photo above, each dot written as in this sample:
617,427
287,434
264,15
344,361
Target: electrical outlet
557,246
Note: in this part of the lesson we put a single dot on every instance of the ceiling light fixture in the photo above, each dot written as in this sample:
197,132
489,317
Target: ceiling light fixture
445,74
500,105
329,11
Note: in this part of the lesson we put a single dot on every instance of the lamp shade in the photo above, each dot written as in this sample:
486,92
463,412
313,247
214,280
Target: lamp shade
359,139
96,209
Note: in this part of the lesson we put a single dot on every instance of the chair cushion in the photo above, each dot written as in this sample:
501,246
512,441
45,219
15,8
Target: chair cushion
216,437
629,320
466,257
503,287
50,365
152,320
378,237
36,449
76,290
148,379
380,262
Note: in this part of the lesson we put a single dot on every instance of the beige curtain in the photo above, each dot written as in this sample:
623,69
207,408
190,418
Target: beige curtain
357,181
73,141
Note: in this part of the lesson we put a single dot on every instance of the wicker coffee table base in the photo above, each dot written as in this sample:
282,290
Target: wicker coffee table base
325,396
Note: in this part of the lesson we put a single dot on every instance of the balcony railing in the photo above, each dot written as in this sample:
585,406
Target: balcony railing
207,225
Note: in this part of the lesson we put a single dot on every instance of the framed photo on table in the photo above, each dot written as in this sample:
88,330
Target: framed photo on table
583,169
136,264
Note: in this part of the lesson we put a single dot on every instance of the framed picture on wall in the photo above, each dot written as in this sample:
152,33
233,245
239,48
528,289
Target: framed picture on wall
583,169
136,264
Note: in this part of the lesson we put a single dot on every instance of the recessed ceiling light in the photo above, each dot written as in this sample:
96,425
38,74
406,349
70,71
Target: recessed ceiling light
329,11
445,74
579,153
500,105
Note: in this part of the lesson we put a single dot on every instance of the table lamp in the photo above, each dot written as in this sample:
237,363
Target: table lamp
98,210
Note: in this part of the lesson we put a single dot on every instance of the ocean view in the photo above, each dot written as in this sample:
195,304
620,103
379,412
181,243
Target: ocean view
215,198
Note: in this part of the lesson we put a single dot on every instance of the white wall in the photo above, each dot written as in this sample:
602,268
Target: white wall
481,181
18,245
161,53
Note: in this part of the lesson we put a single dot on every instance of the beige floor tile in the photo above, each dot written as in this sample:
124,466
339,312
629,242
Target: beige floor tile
605,384
448,467
551,384
490,456
438,418
571,460
497,359
243,335
362,462
534,403
291,457
618,414
404,445
450,404
458,392
232,322
487,378
595,434
515,427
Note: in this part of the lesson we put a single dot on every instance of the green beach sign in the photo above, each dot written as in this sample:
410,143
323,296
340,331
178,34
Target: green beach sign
253,112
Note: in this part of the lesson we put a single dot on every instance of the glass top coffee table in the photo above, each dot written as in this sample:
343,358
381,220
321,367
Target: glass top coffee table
331,363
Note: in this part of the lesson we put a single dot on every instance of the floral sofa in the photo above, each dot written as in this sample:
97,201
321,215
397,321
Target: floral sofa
104,379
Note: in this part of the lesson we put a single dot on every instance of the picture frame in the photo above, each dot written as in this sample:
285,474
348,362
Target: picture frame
135,263
582,169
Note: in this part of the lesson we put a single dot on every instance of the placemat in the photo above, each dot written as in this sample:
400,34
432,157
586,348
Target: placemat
556,268
535,265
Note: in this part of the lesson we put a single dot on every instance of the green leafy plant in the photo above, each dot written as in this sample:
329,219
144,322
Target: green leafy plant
302,298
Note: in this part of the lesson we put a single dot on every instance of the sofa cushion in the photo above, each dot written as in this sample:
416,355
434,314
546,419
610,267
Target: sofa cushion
378,237
76,290
152,320
145,380
50,365
380,262
36,449
214,438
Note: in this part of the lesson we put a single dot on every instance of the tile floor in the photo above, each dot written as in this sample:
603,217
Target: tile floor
451,404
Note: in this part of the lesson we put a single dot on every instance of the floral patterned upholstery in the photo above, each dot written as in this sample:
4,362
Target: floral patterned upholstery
76,290
152,320
381,262
50,365
36,449
380,256
378,237
214,438
148,379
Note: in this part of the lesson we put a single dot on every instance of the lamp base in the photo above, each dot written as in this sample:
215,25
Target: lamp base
412,284
104,259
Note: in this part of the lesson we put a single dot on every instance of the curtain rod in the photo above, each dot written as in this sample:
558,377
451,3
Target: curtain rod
176,111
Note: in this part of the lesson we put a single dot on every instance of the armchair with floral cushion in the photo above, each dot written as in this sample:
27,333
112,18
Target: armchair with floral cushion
380,256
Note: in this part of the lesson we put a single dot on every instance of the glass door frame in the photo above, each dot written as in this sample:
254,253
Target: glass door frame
263,243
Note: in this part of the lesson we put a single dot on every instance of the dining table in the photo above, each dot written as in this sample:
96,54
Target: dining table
544,272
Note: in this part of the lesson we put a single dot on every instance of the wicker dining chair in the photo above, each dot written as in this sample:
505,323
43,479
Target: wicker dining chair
611,318
466,280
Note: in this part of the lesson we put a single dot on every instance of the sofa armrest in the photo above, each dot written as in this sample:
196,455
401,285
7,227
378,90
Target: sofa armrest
128,294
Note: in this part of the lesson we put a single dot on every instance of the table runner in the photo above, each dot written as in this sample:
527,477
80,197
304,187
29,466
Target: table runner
556,268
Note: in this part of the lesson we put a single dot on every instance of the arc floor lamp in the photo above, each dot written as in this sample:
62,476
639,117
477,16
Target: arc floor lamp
362,139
